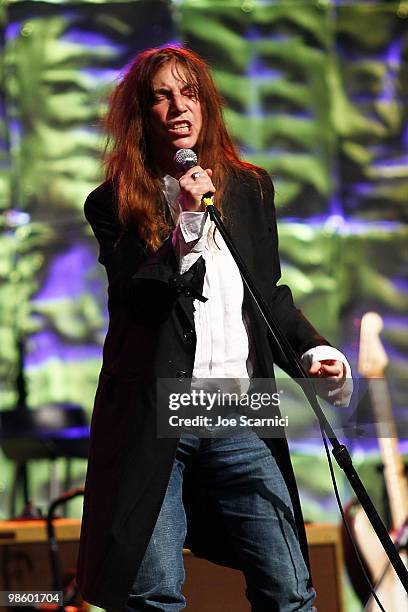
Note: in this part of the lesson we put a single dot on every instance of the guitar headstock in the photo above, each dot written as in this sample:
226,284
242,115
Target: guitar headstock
372,358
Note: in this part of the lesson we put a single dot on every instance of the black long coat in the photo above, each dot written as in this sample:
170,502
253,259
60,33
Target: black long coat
151,334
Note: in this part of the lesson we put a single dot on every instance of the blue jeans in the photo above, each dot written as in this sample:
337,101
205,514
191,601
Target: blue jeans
241,474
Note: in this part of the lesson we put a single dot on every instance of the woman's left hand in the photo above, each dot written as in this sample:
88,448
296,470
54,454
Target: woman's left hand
330,370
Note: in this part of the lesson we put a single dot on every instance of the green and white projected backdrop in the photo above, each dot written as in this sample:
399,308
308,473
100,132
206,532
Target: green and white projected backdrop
316,92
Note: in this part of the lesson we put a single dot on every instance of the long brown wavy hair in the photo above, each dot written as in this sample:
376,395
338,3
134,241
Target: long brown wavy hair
129,160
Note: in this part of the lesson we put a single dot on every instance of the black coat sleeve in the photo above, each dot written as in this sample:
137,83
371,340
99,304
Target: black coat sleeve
146,283
298,330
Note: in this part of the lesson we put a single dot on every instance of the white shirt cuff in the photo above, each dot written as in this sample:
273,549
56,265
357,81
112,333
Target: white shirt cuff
193,226
190,237
340,396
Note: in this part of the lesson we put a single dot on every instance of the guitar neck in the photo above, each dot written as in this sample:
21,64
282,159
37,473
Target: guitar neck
372,363
394,470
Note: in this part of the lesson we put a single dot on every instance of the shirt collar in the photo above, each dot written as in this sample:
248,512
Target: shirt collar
171,192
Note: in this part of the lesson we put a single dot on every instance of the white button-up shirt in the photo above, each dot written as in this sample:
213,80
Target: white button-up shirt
222,341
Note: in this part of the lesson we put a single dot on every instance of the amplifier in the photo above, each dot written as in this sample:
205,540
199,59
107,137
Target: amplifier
25,565
220,589
24,556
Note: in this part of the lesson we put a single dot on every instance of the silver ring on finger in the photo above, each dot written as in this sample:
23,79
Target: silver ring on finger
195,175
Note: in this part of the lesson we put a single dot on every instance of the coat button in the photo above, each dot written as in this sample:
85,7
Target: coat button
188,335
181,374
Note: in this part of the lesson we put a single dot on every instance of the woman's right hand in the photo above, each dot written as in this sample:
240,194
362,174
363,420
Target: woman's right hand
193,185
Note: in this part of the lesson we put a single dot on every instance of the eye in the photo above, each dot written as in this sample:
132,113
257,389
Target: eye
189,92
159,96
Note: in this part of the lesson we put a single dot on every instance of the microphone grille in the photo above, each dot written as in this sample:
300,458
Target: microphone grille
185,159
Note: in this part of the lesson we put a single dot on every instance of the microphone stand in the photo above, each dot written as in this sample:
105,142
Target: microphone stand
339,451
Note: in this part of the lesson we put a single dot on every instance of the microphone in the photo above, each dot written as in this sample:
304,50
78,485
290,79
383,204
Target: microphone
184,159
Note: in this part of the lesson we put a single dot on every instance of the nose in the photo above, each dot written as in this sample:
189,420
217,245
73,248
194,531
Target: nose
179,103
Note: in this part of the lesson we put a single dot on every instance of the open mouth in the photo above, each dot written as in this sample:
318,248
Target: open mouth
180,127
